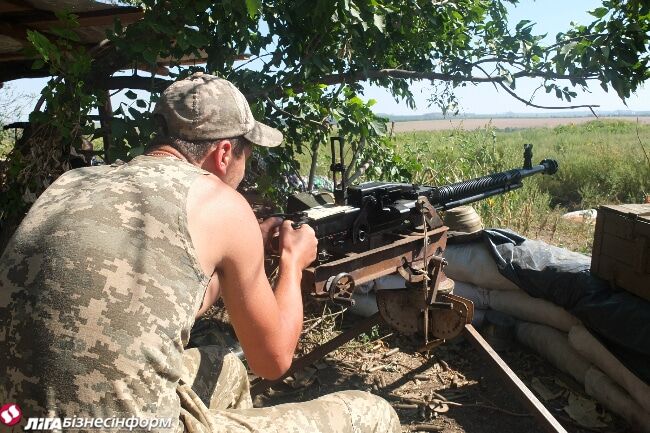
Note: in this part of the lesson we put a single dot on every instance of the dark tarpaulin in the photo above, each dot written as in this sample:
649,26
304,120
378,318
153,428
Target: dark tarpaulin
618,318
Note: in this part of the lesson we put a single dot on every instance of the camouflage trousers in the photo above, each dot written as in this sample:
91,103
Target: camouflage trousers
215,397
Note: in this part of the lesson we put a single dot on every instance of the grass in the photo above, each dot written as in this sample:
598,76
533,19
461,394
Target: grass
601,162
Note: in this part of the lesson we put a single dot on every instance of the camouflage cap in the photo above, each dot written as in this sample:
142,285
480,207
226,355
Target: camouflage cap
205,107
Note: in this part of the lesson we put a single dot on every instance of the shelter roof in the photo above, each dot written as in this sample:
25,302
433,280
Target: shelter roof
19,16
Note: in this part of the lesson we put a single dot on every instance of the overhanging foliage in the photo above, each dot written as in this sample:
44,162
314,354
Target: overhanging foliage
306,64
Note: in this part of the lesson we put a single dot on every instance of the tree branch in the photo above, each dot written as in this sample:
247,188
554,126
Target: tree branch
530,104
347,77
150,84
293,116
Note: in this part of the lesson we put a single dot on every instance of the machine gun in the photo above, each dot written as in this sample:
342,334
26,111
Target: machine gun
361,214
375,229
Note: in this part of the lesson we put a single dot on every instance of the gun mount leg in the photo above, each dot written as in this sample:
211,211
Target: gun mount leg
319,352
536,408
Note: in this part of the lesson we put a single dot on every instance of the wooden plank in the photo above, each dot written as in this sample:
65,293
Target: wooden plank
625,278
624,251
14,31
626,221
548,422
598,236
101,18
9,6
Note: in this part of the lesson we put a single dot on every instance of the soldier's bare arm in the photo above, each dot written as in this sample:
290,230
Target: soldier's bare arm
227,237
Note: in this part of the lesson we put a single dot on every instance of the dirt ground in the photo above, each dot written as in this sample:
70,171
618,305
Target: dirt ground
453,389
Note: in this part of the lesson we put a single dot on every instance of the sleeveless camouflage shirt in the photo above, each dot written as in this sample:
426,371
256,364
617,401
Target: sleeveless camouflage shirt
98,291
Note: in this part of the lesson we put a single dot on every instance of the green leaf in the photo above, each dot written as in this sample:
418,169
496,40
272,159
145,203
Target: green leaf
38,64
65,34
599,12
130,94
253,7
568,47
521,24
150,56
605,51
41,43
118,128
140,103
135,114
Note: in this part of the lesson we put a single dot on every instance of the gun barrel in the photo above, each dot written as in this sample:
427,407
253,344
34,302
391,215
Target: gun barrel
457,194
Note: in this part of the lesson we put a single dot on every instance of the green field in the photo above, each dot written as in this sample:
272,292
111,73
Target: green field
601,162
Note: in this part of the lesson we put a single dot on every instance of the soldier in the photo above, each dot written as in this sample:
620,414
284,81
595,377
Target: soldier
103,280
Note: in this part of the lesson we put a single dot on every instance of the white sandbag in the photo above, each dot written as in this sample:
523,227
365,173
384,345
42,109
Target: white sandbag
365,304
473,263
614,398
525,307
388,282
365,287
593,350
479,296
365,301
554,346
479,318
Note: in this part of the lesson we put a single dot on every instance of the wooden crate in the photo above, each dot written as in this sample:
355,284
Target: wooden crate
621,251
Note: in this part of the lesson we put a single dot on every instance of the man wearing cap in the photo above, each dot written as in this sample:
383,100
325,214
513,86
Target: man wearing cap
103,280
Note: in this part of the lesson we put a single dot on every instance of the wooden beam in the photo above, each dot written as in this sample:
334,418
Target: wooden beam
9,6
14,31
137,82
93,21
44,19
518,388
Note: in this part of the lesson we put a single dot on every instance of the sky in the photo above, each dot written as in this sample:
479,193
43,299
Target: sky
550,16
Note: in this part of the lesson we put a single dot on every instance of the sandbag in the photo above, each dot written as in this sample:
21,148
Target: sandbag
365,304
592,349
564,278
554,346
388,282
614,398
529,309
479,296
478,320
473,263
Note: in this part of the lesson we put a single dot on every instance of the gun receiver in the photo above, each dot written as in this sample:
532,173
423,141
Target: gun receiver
363,213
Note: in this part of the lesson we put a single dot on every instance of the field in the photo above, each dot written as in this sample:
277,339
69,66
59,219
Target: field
601,162
503,123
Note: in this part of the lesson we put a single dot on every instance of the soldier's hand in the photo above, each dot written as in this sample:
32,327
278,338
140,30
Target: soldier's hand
270,228
298,246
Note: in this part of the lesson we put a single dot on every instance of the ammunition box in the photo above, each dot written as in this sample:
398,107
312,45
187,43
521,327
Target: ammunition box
621,252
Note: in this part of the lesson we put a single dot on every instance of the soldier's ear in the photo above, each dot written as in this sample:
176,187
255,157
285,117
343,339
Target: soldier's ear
219,158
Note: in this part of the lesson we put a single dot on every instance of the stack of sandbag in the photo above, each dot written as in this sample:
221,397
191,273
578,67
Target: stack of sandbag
551,331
